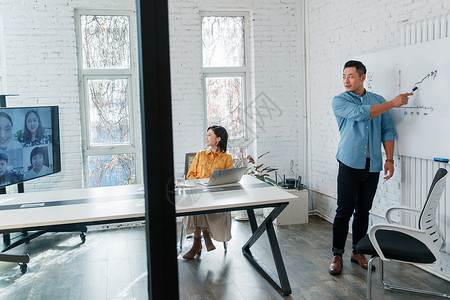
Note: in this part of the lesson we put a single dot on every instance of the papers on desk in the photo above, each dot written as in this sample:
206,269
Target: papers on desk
187,184
188,197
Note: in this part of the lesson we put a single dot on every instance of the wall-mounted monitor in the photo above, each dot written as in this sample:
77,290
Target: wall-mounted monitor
29,143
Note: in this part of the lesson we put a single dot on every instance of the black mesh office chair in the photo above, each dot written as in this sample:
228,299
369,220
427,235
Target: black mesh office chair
421,245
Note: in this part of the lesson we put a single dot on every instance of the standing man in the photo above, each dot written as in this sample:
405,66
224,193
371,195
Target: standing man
364,124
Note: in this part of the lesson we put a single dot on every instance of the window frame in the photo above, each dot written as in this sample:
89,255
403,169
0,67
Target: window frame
236,71
131,74
2,58
86,79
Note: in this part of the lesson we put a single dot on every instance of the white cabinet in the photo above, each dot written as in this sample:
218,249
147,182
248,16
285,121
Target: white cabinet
296,212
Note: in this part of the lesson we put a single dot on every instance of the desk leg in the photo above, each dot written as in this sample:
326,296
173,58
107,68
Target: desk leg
252,219
267,225
6,239
278,259
23,239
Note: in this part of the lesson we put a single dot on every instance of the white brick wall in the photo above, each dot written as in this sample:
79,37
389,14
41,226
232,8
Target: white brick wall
276,69
338,31
41,65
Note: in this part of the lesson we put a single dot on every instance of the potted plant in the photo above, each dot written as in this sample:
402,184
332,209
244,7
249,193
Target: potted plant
258,170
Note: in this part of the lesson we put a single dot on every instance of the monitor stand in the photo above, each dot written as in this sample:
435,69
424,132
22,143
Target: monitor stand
25,237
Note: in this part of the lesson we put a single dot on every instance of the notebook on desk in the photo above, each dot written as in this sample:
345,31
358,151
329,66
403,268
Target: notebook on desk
225,176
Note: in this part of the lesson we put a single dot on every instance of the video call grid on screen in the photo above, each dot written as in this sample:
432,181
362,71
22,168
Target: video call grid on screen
27,143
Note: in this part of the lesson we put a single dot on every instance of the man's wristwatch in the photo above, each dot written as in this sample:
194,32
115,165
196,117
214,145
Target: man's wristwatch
390,160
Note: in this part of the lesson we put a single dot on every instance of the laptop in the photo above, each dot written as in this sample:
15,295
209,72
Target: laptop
225,176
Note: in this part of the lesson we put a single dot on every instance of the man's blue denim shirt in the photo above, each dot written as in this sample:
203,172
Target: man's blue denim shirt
358,130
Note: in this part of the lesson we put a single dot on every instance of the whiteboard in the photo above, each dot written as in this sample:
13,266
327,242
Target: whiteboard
423,125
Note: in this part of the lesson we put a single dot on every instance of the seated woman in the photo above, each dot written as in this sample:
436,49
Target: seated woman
205,162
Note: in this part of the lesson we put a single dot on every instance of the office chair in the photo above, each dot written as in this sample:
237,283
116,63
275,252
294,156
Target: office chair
422,245
189,158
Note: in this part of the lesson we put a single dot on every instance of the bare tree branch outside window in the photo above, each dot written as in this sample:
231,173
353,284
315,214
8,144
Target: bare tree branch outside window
110,170
108,112
106,42
224,104
238,154
223,41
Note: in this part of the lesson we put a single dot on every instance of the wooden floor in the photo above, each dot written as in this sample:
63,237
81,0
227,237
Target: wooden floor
112,265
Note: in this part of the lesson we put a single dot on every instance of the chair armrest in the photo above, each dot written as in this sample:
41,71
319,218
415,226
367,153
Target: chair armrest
418,234
411,210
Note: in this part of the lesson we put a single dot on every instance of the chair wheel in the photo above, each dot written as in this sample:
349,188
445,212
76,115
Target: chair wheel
83,237
23,268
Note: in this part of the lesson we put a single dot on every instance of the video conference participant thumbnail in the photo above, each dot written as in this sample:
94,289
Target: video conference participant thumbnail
39,165
33,130
7,177
6,132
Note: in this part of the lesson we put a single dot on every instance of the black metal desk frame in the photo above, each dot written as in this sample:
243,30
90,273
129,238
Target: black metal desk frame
265,226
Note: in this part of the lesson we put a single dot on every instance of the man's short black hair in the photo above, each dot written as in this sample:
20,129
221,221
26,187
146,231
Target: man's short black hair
360,68
36,151
3,156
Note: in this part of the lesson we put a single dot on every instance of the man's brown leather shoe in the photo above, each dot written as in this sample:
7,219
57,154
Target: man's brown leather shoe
361,260
336,265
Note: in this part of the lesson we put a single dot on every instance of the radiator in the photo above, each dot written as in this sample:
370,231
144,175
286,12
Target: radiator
417,173
425,30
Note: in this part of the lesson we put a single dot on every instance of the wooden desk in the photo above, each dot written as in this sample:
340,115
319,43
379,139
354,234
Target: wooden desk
55,210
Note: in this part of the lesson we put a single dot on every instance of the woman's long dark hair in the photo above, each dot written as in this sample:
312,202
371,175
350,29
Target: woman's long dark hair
40,130
6,116
223,134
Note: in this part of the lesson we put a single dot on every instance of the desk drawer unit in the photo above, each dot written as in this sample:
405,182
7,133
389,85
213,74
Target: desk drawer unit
296,212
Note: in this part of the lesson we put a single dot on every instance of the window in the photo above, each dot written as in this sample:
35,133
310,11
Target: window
226,76
107,72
